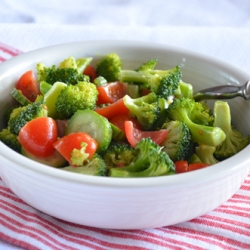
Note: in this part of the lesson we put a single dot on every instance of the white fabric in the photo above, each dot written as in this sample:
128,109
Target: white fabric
128,12
220,28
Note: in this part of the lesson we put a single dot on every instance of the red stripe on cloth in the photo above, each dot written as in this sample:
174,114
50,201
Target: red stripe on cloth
190,234
218,224
16,242
209,238
24,213
9,50
233,212
18,228
229,221
247,181
245,187
241,197
56,230
2,59
12,197
146,236
246,209
135,235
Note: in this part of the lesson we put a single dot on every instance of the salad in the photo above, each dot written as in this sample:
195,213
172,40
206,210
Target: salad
105,120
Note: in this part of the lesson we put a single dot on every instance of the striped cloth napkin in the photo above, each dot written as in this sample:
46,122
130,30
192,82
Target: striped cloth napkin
227,227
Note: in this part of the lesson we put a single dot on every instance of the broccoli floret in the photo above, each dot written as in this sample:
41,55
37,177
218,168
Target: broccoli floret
146,109
178,144
149,65
7,113
69,62
119,155
150,161
109,67
235,141
95,166
53,74
81,96
185,110
10,140
203,114
79,156
162,82
21,115
206,154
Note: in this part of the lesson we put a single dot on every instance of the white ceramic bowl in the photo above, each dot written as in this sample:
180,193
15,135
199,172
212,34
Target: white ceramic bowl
127,203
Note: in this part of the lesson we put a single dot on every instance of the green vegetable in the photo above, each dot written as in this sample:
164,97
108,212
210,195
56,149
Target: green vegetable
50,98
95,166
109,67
10,140
184,90
78,156
178,143
69,62
97,126
117,133
100,81
235,141
146,109
206,154
45,87
149,65
80,96
21,115
187,110
82,63
54,74
18,96
194,159
150,161
55,160
119,154
162,82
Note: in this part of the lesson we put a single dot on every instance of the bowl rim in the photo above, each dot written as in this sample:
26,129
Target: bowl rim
7,155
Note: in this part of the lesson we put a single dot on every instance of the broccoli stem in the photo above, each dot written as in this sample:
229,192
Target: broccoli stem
212,136
133,76
206,154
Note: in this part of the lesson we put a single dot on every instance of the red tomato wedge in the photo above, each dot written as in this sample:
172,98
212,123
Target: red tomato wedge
38,135
28,85
111,92
195,166
68,143
91,72
182,166
134,135
119,121
113,109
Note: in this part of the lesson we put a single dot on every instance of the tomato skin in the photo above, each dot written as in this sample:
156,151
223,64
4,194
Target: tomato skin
182,166
38,135
111,92
28,85
119,121
113,109
195,166
68,143
134,135
91,72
